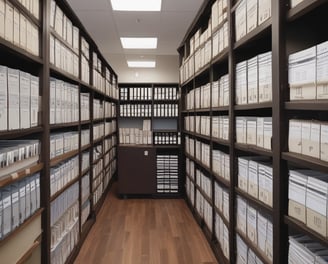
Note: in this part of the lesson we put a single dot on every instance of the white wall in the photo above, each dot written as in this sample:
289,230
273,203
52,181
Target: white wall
166,71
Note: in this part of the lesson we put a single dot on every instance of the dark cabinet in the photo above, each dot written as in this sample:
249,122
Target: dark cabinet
136,170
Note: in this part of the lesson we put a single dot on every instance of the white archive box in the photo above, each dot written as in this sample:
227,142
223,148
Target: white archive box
297,194
215,93
252,14
252,79
302,74
242,215
253,179
265,76
265,175
243,173
267,133
295,136
311,138
252,224
317,202
322,70
2,18
294,3
13,99
3,98
24,99
251,130
241,129
262,225
324,141
241,83
242,250
240,20
264,10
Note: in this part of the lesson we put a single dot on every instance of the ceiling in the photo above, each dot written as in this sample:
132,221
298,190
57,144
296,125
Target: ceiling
107,26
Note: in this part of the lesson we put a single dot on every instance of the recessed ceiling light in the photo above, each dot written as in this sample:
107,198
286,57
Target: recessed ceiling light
137,5
142,64
139,43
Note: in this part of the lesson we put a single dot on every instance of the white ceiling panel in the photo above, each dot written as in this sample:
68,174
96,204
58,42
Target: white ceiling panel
106,27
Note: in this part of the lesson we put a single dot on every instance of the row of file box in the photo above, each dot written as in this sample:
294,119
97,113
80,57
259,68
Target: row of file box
254,80
204,183
219,13
19,99
103,109
63,57
109,143
85,61
97,193
63,174
166,138
18,201
245,254
32,6
249,15
222,235
17,28
13,152
165,93
307,73
85,106
136,110
256,131
85,187
166,110
203,153
85,137
85,211
63,249
61,143
64,102
221,164
167,173
308,199
255,178
204,209
255,226
221,200
309,137
64,27
110,109
190,168
98,131
135,136
304,250
109,156
220,92
136,93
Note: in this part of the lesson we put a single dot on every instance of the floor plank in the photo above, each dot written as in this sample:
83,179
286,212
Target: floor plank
145,231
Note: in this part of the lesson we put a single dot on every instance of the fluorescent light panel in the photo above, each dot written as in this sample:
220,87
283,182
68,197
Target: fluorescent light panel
141,64
139,43
137,5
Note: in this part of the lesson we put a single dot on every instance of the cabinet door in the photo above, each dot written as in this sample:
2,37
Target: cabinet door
136,170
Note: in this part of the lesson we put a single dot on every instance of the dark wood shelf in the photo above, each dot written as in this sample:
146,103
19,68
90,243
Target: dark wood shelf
166,101
20,53
94,162
202,70
84,148
234,6
257,203
64,125
58,193
311,105
56,160
191,179
202,110
303,8
163,146
266,105
255,34
62,41
85,122
61,73
225,221
220,109
187,81
98,140
17,133
202,137
221,141
306,161
27,221
253,149
110,134
14,177
136,102
83,173
222,180
98,120
302,228
221,57
254,248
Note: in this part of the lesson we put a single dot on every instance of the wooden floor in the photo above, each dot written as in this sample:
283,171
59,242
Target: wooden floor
145,231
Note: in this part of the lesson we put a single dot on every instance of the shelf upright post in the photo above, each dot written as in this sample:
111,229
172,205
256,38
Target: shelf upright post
279,132
233,159
45,144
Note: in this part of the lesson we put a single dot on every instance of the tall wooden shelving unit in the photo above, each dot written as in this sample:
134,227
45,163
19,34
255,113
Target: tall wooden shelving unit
105,90
287,31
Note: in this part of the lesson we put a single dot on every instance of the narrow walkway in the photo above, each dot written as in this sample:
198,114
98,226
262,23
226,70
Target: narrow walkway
145,231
